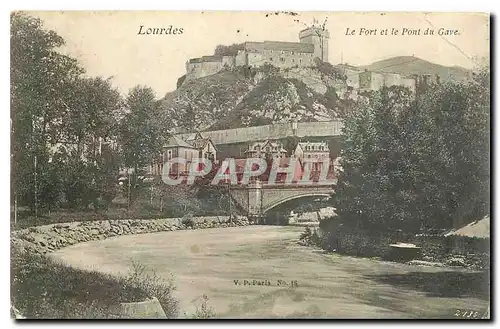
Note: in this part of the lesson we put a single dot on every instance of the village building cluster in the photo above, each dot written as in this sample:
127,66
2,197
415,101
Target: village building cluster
196,146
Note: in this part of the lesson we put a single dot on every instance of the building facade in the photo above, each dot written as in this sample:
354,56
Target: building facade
315,152
194,147
266,150
206,148
371,81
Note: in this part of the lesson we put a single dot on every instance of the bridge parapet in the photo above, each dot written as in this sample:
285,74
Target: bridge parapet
256,199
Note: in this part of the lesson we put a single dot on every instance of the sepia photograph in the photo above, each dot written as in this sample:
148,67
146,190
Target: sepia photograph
202,165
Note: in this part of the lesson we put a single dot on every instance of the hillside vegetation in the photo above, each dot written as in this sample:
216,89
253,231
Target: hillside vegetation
244,97
249,97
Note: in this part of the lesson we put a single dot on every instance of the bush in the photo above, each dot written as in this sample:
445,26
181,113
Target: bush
187,220
204,311
438,248
363,245
44,288
154,286
306,235
312,237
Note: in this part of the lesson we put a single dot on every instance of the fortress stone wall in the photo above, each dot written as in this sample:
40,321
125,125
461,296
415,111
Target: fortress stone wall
297,55
313,44
375,80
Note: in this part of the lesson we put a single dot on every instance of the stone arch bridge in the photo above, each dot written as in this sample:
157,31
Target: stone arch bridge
257,199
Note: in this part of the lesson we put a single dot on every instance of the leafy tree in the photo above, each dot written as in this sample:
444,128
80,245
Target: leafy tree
416,163
232,50
60,120
40,80
141,133
454,148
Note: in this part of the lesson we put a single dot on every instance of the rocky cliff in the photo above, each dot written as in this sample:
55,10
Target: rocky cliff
242,97
245,97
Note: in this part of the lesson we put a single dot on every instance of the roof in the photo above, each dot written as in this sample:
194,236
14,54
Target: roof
189,137
315,146
280,45
477,229
315,30
206,59
201,142
192,136
175,141
347,66
262,144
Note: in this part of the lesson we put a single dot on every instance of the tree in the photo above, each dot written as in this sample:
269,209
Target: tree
60,120
413,163
232,50
454,166
40,79
361,185
141,133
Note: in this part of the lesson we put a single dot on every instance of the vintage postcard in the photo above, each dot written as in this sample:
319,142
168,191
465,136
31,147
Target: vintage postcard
250,165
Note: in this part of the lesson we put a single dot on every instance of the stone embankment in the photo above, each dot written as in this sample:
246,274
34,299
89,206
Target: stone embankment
48,238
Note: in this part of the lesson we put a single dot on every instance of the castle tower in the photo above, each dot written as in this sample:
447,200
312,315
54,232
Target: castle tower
319,38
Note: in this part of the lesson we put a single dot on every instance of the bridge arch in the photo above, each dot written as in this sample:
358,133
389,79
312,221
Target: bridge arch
266,208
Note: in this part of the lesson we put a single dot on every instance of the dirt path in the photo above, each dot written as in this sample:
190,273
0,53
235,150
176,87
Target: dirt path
327,285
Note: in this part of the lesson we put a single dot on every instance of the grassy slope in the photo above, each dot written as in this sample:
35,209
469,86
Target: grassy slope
44,288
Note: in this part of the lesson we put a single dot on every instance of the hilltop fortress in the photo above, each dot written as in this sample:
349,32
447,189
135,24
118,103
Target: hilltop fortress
313,44
300,57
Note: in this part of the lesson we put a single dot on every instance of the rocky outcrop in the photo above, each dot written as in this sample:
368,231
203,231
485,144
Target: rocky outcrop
48,238
233,99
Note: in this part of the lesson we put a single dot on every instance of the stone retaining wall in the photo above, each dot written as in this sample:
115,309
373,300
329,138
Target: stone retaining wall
48,238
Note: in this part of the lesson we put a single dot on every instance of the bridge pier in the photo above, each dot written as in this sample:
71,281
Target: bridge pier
255,201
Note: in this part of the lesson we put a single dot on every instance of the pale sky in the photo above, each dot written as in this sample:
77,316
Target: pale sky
108,44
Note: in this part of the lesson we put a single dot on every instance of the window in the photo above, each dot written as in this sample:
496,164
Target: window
271,59
282,59
300,60
169,155
293,60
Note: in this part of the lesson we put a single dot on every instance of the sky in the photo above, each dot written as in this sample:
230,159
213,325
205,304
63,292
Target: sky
108,43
